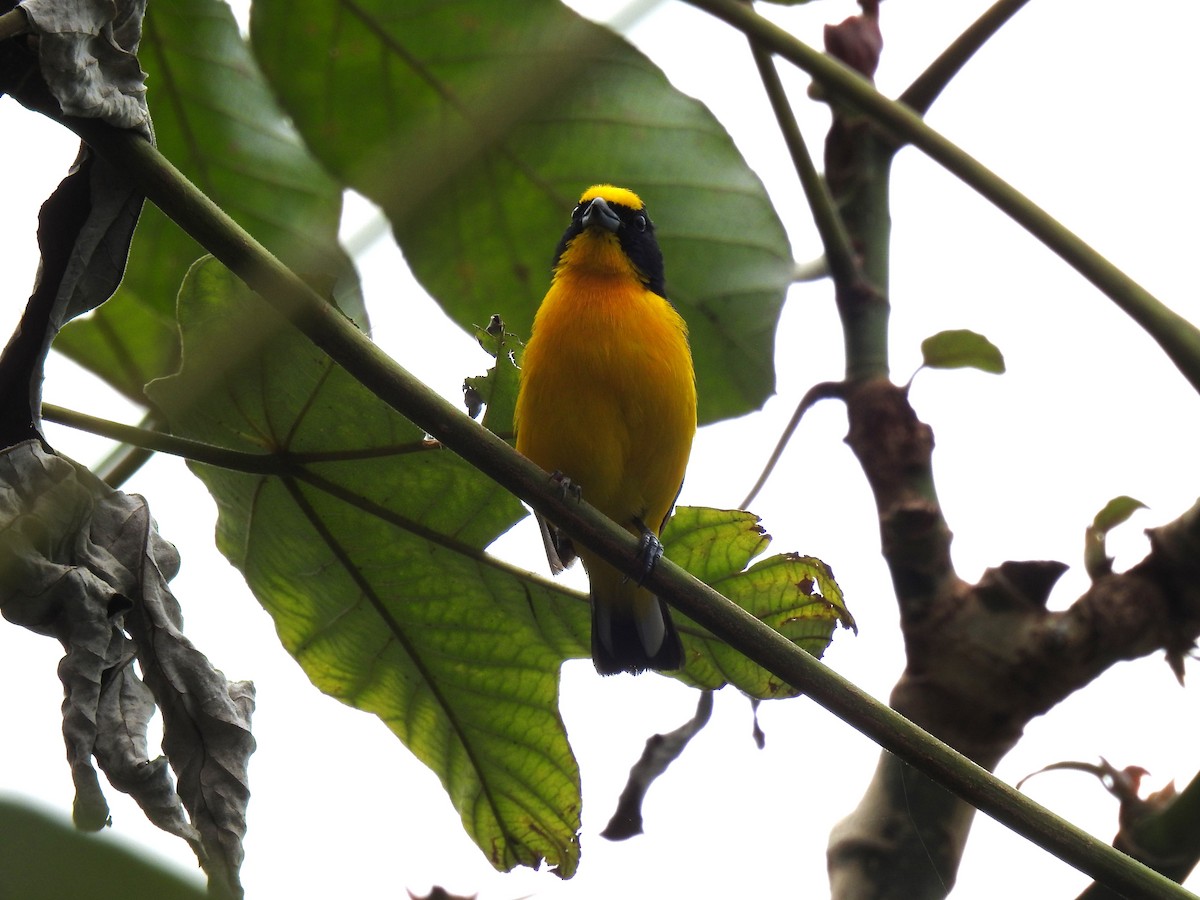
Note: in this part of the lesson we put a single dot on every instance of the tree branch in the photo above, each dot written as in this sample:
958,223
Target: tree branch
826,390
983,661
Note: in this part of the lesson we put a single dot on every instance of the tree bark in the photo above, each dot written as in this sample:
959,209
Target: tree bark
982,659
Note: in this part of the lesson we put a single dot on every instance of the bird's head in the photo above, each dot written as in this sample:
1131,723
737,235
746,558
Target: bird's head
611,233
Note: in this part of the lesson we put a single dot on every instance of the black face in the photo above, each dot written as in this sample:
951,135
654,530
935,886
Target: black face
636,235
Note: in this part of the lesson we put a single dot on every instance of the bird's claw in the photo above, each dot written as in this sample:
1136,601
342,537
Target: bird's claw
650,551
566,486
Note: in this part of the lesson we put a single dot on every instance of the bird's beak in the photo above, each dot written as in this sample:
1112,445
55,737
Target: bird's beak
601,215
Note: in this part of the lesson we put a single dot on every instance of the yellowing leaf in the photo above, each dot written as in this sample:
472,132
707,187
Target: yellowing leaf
796,595
713,543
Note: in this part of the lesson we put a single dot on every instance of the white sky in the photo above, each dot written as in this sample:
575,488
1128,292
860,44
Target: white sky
1093,118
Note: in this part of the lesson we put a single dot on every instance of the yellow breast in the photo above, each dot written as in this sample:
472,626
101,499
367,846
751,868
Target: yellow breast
608,393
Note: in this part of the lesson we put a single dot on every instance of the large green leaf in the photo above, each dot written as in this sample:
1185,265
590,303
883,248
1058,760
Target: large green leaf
216,120
366,546
477,124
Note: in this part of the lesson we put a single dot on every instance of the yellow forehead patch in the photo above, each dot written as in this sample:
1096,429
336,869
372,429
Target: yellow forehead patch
612,194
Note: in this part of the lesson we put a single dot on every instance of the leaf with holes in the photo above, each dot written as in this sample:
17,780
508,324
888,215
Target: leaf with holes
796,595
496,390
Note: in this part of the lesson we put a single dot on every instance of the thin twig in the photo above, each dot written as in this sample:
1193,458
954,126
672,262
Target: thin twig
839,253
929,84
125,460
281,466
122,464
149,440
812,270
826,390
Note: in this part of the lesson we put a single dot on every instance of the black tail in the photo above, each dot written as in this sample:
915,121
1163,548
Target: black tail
626,640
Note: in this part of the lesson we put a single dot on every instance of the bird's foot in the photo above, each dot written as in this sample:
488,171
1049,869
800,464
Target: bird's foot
650,551
566,486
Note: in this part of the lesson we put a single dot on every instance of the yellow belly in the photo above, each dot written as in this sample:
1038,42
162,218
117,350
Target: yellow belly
608,395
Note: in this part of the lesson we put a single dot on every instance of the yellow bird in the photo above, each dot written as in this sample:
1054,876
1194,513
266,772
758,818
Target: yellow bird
607,403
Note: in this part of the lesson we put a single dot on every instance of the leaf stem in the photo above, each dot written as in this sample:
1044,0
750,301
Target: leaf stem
839,253
1178,337
146,439
149,440
354,351
826,390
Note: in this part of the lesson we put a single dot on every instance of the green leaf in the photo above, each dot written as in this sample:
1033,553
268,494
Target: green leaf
713,544
215,119
476,125
45,858
796,595
1117,511
365,544
496,391
960,349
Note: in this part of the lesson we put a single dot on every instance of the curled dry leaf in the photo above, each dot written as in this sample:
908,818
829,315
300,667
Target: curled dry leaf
87,53
85,564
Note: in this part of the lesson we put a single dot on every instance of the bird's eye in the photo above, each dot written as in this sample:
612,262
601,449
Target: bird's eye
640,221
576,213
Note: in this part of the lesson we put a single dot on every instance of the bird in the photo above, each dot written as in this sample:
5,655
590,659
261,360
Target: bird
607,403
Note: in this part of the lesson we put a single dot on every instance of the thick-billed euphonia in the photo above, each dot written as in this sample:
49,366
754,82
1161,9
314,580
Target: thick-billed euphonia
607,402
